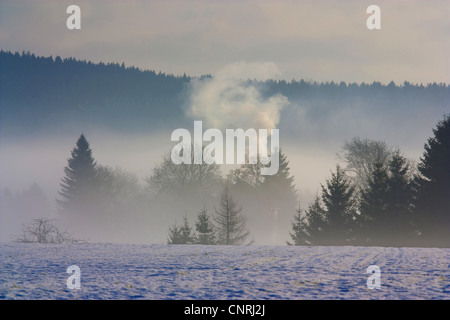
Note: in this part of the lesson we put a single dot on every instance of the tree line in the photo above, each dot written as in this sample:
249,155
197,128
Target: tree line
95,195
385,200
375,196
38,92
378,198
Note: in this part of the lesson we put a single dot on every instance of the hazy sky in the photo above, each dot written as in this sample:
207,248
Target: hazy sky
323,41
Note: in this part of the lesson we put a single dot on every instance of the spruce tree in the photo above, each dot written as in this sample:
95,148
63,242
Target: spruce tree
374,205
399,201
175,235
278,199
433,187
245,184
204,228
186,232
299,234
309,228
339,207
281,184
317,223
181,234
330,218
77,192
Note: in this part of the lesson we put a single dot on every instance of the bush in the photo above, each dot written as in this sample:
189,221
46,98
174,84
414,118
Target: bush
42,230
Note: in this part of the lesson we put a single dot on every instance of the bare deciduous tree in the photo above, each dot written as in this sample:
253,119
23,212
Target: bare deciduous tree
230,224
360,156
184,180
43,230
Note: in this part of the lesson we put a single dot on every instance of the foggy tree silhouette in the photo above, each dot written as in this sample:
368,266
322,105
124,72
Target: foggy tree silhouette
386,204
195,182
393,206
96,201
339,208
247,176
231,228
399,201
119,201
268,199
181,234
299,235
433,187
79,184
360,155
204,228
278,197
175,235
330,218
245,185
374,205
281,184
309,228
117,188
186,232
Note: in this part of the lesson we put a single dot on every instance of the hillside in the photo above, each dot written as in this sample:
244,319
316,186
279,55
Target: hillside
39,92
44,94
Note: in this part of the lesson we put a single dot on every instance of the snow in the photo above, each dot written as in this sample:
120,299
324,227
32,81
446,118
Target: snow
126,271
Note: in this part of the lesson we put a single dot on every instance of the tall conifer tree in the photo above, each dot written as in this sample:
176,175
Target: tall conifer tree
340,212
332,220
204,228
399,201
433,186
79,183
374,204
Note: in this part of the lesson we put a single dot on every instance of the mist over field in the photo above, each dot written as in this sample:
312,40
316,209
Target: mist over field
129,130
111,113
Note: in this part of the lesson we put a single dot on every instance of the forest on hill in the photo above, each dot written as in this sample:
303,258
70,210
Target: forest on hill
45,93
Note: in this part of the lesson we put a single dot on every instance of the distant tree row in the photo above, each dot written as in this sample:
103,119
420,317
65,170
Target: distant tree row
126,98
380,199
84,92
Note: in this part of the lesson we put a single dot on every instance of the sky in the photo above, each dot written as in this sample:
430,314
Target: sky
311,40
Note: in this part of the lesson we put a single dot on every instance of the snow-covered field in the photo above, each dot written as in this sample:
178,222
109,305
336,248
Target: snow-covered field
118,271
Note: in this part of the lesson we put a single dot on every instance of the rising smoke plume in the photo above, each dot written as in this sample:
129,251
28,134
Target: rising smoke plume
228,100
